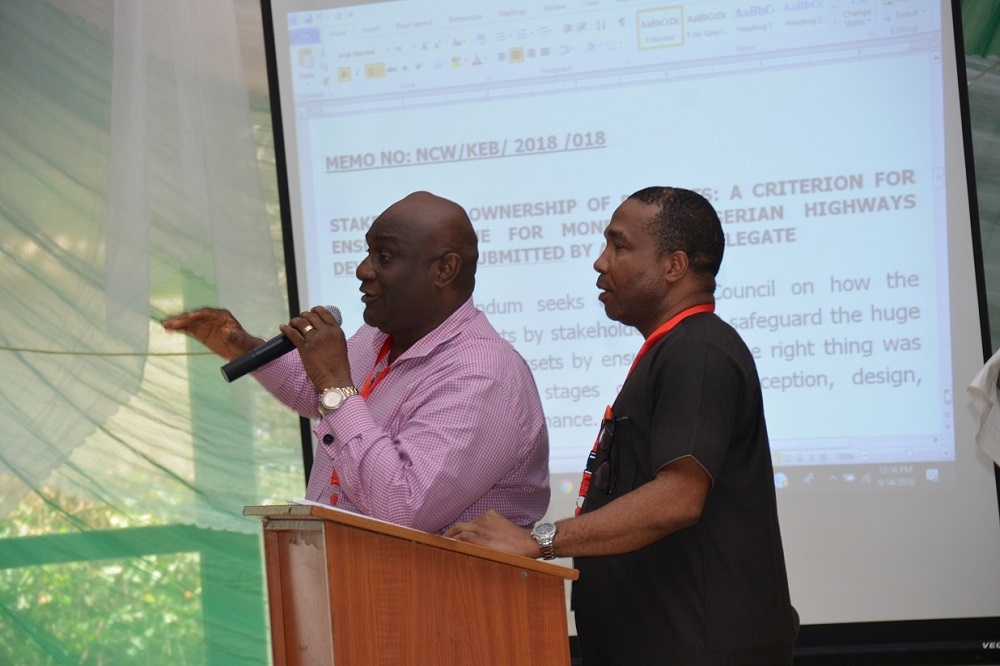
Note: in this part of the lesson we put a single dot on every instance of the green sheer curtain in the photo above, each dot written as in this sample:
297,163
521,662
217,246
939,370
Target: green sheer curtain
137,180
981,27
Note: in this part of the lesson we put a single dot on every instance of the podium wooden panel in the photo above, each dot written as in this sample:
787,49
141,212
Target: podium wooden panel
351,590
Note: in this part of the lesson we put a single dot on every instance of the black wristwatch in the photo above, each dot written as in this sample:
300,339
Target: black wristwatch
544,534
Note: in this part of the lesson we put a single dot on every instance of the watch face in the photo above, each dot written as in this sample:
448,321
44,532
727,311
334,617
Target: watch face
332,399
544,531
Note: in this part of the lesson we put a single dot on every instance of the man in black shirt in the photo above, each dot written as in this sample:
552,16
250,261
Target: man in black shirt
677,542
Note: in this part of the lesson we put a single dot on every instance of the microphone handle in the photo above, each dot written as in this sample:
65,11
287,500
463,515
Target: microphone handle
257,357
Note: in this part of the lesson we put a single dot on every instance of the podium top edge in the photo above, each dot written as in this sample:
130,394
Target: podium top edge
276,510
296,512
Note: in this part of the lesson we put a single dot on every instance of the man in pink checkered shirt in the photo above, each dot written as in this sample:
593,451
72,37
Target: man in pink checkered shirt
426,415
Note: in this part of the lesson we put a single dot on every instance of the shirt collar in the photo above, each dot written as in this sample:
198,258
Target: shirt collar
456,322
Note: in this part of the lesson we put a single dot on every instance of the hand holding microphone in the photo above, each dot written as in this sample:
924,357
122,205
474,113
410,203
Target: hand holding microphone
280,345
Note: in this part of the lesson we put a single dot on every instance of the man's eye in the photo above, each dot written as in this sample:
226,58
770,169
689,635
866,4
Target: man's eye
379,256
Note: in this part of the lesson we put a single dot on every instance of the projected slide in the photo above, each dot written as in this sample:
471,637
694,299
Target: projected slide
812,129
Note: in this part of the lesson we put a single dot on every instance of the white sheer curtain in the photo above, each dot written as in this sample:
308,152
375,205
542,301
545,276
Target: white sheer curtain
124,176
183,153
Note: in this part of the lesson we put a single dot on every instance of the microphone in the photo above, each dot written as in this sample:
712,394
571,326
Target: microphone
265,353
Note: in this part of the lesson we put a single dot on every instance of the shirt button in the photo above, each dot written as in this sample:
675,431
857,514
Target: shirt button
328,438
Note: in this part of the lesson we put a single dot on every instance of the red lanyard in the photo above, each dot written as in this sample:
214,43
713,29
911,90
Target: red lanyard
366,388
662,331
655,337
371,382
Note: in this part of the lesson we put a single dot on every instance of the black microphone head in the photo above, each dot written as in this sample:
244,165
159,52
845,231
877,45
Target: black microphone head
335,311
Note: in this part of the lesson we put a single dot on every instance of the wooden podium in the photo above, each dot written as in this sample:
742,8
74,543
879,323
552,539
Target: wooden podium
351,590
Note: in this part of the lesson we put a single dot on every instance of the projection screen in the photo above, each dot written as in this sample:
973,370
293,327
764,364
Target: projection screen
828,134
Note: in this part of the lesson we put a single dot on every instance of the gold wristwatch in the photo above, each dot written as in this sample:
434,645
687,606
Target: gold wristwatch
332,398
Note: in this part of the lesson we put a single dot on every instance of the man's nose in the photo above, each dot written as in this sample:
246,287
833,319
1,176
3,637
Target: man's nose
364,271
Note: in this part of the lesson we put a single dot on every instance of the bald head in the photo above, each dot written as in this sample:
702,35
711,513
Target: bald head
437,226
420,268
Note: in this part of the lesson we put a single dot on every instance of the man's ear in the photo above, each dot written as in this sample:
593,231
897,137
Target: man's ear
675,265
448,268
